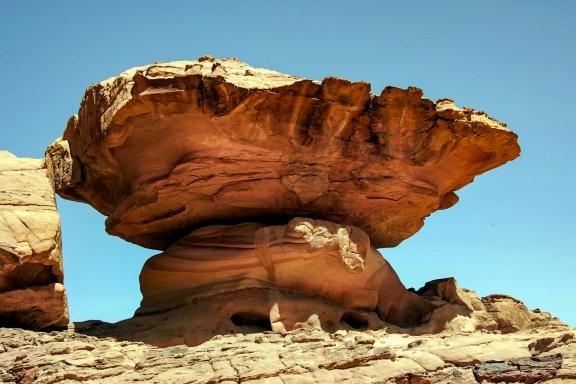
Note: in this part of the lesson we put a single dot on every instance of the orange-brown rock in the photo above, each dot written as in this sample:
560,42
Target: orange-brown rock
167,148
235,278
31,290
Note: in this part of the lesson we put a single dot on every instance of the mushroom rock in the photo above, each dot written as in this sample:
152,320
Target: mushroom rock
269,194
31,290
167,148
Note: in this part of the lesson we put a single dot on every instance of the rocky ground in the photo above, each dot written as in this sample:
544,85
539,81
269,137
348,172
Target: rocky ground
546,354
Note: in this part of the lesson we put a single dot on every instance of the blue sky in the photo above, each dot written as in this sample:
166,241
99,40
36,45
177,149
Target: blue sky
514,229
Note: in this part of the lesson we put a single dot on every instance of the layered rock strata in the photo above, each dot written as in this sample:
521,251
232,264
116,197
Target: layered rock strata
167,148
228,279
31,290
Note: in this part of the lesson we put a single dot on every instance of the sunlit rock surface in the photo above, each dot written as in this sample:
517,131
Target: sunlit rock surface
167,148
31,290
268,195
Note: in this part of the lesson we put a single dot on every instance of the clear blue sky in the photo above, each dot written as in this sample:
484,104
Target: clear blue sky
514,229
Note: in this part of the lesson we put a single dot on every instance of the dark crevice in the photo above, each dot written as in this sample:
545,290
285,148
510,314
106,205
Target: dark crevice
354,321
21,319
28,275
251,321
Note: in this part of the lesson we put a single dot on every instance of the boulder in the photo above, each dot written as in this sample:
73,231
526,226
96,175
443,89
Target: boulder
31,277
166,148
510,314
461,310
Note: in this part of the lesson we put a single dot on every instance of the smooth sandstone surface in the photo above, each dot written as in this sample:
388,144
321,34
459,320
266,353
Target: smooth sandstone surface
31,290
280,274
167,148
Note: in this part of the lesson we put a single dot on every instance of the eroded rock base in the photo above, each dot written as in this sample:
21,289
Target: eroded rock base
244,311
237,278
252,277
455,311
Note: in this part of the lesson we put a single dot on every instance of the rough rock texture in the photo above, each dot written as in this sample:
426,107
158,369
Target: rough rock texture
301,356
167,148
31,290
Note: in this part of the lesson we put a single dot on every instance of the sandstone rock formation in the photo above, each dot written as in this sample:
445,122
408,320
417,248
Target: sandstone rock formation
254,277
31,290
305,355
167,148
268,195
218,164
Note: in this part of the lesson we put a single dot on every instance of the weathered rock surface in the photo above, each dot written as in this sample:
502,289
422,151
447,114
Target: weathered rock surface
167,148
298,357
31,290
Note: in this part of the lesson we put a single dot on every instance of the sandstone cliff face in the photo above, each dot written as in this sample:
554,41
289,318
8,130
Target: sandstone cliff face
166,148
31,290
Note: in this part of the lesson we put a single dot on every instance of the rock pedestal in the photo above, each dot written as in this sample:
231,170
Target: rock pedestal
269,194
31,290
254,277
